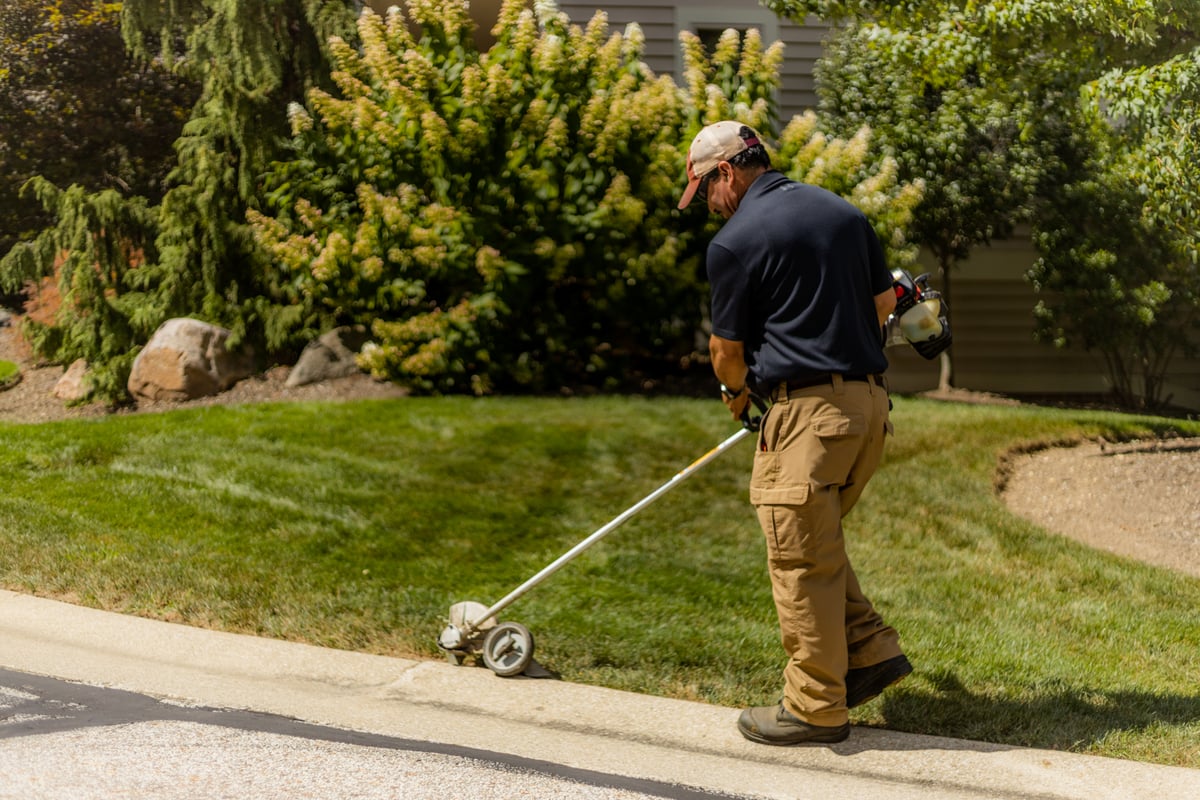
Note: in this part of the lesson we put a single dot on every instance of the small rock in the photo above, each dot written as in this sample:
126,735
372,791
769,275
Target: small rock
331,356
73,387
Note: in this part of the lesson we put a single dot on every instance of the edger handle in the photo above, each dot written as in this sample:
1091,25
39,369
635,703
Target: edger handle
472,626
752,423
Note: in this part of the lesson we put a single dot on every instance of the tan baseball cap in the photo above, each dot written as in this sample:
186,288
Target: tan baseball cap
718,142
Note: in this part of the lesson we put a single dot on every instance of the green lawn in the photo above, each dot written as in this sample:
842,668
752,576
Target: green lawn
10,374
357,525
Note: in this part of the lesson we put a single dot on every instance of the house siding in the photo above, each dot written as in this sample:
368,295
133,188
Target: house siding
803,45
991,315
662,21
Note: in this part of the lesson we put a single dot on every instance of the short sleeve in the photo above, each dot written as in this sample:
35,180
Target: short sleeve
880,275
729,284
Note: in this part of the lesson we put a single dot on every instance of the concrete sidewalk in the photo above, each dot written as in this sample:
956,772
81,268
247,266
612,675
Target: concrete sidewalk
583,729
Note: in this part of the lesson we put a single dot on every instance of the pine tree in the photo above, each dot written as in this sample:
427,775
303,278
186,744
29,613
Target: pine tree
250,60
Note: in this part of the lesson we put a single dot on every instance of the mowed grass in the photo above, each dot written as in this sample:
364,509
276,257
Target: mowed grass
357,525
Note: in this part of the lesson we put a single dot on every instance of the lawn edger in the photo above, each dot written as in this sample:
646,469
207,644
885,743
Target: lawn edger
507,647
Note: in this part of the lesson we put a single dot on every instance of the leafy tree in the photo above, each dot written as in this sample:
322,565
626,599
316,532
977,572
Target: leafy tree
75,108
1103,261
249,60
1118,271
958,139
1158,105
1135,62
126,228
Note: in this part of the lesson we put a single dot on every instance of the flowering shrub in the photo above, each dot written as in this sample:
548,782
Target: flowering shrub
501,219
738,80
848,167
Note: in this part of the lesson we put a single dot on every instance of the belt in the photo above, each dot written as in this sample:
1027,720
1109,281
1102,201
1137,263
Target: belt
825,379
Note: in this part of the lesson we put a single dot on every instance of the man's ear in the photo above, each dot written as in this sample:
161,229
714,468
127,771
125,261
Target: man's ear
726,170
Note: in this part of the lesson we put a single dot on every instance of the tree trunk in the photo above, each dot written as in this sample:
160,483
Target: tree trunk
946,373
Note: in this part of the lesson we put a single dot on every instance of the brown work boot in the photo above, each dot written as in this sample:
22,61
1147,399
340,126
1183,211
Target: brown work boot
777,725
867,683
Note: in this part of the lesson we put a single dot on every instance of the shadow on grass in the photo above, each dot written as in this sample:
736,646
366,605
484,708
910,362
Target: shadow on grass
1055,716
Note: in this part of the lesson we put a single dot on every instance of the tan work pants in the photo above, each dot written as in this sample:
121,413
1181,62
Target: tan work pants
817,449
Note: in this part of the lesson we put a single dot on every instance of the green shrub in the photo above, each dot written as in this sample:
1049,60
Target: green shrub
500,219
1110,279
132,263
506,220
104,314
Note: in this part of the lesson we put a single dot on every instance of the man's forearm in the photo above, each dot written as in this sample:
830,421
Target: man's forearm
728,362
885,304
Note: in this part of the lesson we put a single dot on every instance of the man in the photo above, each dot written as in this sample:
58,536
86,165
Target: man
800,292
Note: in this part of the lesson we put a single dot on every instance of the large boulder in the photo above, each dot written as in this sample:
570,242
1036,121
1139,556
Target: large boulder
330,356
185,359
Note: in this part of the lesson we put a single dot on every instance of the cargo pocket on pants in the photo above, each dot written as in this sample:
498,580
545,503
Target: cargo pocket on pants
765,487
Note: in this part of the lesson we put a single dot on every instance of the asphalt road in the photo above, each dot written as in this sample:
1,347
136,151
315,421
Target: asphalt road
69,740
99,706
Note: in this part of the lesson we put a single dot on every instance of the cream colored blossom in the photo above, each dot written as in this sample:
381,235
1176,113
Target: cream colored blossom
635,42
417,72
371,268
454,15
557,133
299,119
545,11
593,36
327,263
548,54
309,214
525,35
728,49
470,138
474,85
436,133
377,53
429,257
399,38
510,14
341,53
489,263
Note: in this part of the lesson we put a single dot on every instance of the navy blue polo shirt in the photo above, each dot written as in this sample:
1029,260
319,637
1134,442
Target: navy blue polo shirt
794,274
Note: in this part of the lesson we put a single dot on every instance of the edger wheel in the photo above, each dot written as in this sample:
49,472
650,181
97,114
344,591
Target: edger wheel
508,649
